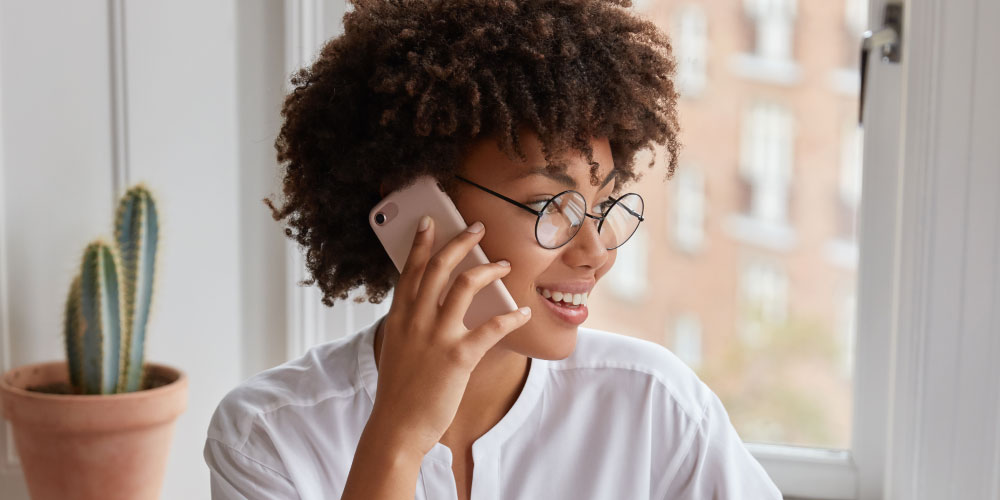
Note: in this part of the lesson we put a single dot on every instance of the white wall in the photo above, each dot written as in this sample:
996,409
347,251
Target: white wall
198,114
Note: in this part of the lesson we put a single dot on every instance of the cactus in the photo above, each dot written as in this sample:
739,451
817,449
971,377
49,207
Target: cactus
109,301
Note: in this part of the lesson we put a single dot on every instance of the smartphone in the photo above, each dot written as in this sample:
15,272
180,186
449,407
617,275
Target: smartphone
395,220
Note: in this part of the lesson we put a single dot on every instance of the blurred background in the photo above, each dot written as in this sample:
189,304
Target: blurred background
746,266
851,338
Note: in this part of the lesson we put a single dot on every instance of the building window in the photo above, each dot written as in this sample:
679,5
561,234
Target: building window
629,275
687,339
691,30
689,209
766,161
765,298
640,5
774,22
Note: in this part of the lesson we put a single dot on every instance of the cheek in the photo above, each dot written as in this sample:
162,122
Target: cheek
612,256
526,269
528,261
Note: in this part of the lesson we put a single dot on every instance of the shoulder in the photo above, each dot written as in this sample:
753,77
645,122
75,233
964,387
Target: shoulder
326,371
618,359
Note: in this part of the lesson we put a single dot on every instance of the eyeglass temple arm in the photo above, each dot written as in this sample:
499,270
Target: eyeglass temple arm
529,209
494,193
633,213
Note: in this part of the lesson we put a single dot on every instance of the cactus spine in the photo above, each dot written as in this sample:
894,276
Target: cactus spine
109,301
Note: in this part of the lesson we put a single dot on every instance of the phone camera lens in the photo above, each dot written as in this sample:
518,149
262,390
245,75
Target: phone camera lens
380,218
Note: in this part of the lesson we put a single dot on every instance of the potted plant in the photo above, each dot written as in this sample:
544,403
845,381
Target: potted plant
99,425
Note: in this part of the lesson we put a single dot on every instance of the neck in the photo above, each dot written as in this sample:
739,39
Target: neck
493,387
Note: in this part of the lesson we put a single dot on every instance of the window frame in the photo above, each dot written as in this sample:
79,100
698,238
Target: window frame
800,472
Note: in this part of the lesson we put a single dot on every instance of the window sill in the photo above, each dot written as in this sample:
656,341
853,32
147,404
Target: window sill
778,237
776,71
808,473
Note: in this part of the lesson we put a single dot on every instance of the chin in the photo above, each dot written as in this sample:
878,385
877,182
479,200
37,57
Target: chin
541,341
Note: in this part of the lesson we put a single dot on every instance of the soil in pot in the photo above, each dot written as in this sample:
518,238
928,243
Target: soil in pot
153,380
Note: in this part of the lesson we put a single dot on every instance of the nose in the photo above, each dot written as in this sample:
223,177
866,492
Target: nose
586,248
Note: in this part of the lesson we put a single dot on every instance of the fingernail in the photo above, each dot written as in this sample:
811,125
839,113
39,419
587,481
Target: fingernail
475,227
503,263
425,222
525,310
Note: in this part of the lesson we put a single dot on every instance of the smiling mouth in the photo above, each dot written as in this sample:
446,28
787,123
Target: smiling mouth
563,299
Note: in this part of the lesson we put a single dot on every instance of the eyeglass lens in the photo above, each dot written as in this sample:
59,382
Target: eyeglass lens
563,216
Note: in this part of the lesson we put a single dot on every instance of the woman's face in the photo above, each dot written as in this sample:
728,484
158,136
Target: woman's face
510,234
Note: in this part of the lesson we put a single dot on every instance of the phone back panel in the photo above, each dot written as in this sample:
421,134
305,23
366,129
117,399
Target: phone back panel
403,209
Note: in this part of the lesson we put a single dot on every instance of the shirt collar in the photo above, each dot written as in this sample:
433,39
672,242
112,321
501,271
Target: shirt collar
487,444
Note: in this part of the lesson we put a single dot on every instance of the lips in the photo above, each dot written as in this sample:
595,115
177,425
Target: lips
564,312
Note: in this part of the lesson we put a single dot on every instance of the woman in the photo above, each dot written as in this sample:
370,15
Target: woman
508,104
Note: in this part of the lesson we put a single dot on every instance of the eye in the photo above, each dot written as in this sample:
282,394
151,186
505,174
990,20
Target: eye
538,204
605,205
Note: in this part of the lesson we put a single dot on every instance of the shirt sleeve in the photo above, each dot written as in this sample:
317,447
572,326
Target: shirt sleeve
235,476
716,466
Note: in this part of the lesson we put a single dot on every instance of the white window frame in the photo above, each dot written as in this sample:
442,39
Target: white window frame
767,160
900,289
686,225
686,337
764,287
691,42
630,281
769,17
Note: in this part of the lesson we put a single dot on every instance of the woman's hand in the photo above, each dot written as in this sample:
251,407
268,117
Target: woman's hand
427,354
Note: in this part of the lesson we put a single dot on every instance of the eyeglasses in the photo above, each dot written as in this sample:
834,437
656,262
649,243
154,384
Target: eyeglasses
562,216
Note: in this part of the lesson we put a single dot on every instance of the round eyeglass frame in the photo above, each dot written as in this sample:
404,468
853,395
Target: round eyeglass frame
539,213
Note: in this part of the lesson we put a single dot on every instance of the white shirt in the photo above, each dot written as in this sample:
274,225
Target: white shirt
619,419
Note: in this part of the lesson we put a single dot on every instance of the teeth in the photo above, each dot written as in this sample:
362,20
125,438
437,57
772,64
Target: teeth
575,299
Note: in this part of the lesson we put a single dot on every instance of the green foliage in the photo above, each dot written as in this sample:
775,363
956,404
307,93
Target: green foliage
776,385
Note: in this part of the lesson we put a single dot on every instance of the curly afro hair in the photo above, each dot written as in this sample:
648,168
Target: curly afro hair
410,84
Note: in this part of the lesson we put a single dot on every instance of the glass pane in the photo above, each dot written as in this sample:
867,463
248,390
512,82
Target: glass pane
746,264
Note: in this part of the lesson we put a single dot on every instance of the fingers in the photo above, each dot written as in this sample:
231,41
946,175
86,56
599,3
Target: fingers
467,285
484,337
413,270
440,265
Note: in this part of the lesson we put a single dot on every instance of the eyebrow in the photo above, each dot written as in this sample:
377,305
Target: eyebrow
562,177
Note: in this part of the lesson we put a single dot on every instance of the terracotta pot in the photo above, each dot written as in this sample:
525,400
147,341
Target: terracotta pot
111,446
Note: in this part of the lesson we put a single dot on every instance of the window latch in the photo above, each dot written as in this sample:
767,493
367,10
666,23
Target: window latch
889,40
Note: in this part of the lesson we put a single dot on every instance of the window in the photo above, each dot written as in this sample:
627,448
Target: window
769,57
765,299
640,5
689,208
691,47
766,160
628,277
687,339
707,288
774,24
